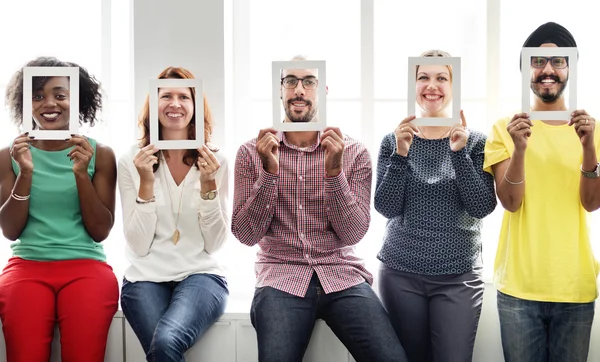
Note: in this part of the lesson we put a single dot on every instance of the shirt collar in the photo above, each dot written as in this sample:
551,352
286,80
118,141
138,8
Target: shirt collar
282,139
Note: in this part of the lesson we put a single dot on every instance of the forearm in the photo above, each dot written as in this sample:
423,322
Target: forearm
97,218
347,211
391,183
139,227
475,186
214,225
14,213
589,188
510,182
206,186
146,191
254,207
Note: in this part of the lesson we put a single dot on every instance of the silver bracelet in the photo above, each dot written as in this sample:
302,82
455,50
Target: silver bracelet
139,200
591,174
19,197
513,183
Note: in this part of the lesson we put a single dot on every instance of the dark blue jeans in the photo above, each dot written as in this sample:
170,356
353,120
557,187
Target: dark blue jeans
284,323
544,331
169,317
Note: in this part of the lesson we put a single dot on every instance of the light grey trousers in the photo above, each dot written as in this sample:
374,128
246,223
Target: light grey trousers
434,316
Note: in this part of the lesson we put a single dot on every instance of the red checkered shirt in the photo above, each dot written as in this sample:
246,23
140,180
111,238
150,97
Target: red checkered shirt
303,221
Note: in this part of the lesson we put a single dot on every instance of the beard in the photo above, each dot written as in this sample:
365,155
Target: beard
298,118
545,94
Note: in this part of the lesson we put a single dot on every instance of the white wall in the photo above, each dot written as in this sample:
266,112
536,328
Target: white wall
182,33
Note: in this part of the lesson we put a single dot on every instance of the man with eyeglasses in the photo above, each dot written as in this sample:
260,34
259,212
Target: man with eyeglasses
304,198
548,179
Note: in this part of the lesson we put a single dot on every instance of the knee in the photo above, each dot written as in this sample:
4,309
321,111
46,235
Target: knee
167,342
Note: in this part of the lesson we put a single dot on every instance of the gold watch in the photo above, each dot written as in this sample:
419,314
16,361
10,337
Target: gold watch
210,195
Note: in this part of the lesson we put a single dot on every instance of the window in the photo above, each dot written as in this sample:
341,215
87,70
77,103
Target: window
28,42
517,21
91,52
366,50
280,30
370,44
407,29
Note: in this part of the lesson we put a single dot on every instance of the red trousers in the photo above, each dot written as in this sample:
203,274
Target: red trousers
80,295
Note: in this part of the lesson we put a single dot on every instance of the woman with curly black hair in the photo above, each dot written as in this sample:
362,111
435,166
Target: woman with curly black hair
57,202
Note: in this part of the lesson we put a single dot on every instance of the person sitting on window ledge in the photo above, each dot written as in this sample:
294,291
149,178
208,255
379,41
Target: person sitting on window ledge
304,198
432,189
58,200
547,179
175,219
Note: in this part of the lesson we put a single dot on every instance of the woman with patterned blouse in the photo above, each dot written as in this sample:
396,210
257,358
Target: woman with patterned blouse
432,189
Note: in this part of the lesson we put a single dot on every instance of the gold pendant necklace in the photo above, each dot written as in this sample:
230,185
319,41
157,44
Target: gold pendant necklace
176,234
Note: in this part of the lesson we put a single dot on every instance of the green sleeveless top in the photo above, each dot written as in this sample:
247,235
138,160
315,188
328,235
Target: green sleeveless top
54,229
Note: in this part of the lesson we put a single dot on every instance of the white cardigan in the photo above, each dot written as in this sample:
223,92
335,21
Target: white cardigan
148,228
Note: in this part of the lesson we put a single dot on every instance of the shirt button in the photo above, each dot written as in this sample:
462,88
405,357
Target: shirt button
307,256
300,177
302,235
273,182
268,206
300,207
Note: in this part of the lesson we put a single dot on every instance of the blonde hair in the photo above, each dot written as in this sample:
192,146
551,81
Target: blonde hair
435,53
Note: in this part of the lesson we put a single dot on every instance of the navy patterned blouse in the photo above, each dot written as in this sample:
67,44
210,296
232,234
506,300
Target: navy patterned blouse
434,200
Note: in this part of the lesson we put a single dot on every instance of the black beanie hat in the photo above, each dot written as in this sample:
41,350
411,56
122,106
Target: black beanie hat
550,33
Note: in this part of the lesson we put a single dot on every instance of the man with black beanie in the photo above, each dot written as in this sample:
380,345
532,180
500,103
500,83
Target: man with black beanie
547,179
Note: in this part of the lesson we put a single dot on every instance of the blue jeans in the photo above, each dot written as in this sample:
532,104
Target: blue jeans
284,323
169,317
544,331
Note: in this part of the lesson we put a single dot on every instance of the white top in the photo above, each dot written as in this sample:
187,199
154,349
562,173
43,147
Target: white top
149,228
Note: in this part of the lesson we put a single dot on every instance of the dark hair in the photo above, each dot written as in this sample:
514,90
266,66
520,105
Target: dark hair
90,98
190,157
550,32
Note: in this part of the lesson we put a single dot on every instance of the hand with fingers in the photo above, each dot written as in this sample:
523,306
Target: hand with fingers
267,146
81,154
405,133
144,162
332,142
519,129
459,134
207,163
585,126
19,151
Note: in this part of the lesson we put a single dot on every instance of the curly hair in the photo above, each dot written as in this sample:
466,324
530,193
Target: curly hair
191,156
90,97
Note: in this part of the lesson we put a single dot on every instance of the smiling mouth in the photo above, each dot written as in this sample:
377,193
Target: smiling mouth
432,97
299,106
50,117
174,115
547,82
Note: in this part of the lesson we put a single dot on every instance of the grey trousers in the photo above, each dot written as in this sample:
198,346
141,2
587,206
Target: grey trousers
435,316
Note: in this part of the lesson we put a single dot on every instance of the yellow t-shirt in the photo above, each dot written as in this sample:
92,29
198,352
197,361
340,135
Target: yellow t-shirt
544,251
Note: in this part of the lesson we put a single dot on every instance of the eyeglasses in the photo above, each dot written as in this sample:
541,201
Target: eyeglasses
291,82
556,62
